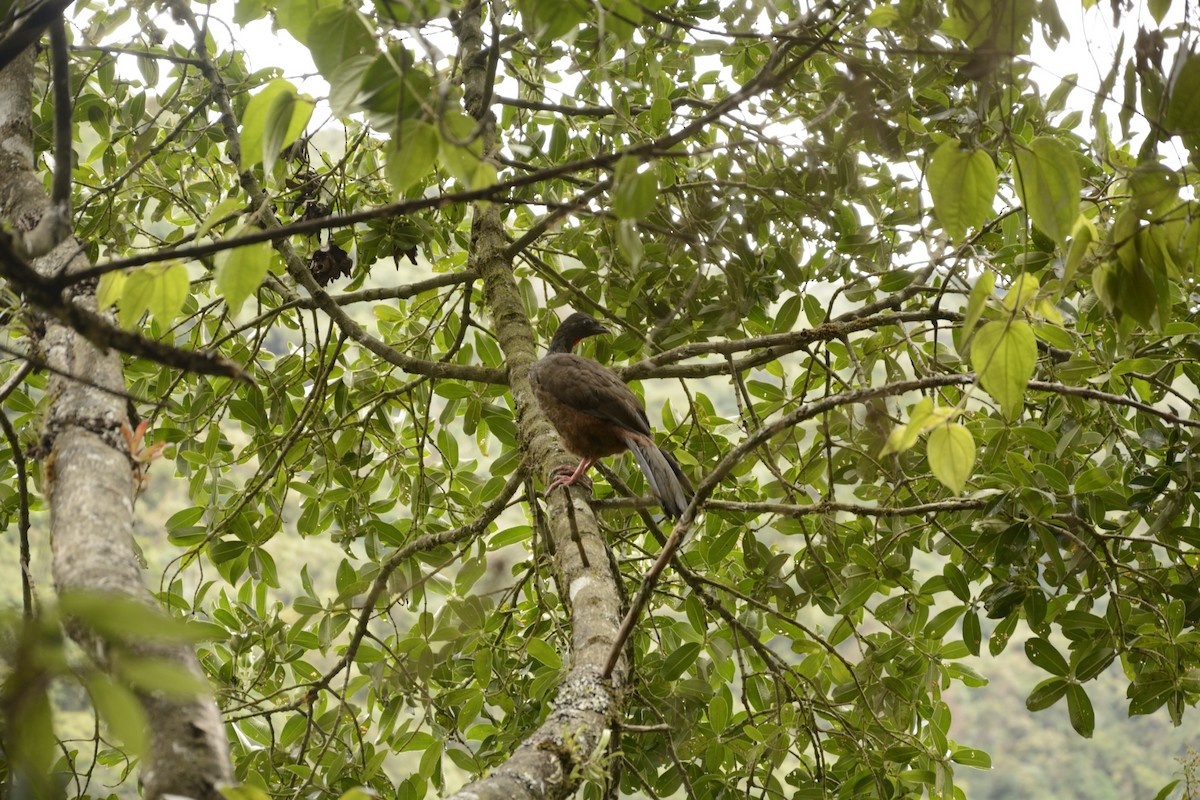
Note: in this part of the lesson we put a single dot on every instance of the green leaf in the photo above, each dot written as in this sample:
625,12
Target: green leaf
1048,184
1154,188
120,710
1004,354
335,34
295,16
109,289
679,660
951,453
1046,656
240,272
1022,292
544,653
921,417
1083,237
274,117
1079,709
970,757
856,593
551,20
1183,94
963,185
159,289
956,582
629,242
636,195
980,293
1169,789
412,154
1046,694
461,151
220,211
972,632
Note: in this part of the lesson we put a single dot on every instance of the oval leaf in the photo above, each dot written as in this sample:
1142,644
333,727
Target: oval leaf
1004,354
241,271
963,185
951,452
274,117
411,157
1048,183
1079,709
636,195
1046,656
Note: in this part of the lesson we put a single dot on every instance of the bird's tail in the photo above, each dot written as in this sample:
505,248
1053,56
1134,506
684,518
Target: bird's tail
663,473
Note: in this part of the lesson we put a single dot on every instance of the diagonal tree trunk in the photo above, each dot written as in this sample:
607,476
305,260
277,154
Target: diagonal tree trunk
89,484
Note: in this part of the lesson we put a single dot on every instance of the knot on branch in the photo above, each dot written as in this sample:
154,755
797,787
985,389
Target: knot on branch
38,232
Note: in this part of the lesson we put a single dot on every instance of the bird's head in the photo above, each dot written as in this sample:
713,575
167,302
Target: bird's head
574,329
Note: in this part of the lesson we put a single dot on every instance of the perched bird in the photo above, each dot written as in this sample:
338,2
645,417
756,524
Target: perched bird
596,415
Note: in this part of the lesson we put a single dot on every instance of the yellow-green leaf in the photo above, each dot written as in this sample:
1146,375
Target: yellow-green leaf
461,152
412,154
963,186
1004,354
274,117
1048,183
109,289
159,289
1082,237
951,453
980,293
1023,290
220,211
240,272
921,417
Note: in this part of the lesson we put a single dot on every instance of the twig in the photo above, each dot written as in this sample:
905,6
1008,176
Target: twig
18,459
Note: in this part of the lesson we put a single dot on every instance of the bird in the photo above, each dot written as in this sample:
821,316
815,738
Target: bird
596,415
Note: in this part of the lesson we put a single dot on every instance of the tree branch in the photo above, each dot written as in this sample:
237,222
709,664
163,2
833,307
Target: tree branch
102,333
30,29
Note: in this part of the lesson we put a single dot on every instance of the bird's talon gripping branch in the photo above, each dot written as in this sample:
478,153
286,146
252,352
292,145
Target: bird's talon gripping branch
564,475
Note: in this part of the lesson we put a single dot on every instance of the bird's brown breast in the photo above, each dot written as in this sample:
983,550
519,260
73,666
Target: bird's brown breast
593,411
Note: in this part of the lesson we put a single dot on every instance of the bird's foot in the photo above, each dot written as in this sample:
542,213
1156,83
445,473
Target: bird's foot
565,475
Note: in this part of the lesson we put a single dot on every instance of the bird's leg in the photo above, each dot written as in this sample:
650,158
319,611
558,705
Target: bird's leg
576,476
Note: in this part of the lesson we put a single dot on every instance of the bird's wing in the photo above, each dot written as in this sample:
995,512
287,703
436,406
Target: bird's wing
591,388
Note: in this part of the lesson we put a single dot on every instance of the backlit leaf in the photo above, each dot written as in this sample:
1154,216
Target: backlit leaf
1004,355
951,453
1048,183
963,185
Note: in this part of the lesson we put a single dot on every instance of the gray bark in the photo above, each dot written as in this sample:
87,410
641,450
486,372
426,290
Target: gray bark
89,484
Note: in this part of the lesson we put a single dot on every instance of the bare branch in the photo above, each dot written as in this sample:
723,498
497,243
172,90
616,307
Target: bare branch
60,193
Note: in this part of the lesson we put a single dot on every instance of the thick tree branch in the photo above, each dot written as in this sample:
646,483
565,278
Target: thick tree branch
31,27
88,483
